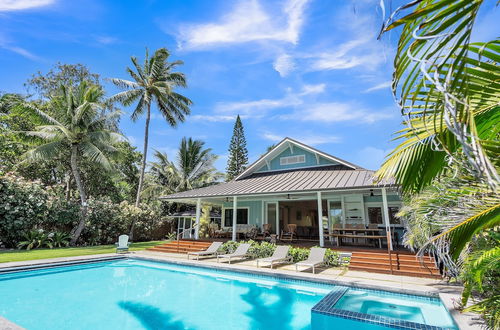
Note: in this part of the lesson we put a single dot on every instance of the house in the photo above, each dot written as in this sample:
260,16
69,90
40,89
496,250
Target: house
294,183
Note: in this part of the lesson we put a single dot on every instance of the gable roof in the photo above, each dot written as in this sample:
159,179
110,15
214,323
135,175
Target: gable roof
324,178
286,143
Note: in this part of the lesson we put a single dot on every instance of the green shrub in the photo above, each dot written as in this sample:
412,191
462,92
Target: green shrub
60,239
35,239
229,247
332,258
298,254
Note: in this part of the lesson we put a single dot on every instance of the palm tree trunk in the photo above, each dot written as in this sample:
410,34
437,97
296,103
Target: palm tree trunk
68,187
143,168
81,190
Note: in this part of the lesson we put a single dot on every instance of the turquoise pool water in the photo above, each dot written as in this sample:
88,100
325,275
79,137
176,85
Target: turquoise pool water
136,294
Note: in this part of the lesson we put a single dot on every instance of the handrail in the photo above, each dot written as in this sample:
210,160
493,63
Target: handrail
182,233
389,243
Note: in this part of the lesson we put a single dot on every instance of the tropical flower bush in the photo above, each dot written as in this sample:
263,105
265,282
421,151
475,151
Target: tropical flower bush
33,215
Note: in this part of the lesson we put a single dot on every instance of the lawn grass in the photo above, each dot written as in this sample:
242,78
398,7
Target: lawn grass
23,255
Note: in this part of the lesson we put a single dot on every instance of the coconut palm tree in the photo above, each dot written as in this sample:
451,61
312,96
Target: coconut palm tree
194,169
153,82
78,127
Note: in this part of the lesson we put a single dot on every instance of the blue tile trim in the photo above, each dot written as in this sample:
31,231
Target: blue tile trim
326,306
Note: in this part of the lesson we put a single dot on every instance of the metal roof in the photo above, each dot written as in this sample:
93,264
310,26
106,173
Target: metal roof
336,177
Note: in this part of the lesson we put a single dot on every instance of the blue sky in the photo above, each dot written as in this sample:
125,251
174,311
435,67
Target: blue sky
308,69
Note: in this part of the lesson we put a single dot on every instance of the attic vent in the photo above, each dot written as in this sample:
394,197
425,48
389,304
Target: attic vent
293,160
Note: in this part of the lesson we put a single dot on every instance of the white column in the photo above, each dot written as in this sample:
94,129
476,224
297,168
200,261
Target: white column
320,220
198,212
278,219
235,213
385,213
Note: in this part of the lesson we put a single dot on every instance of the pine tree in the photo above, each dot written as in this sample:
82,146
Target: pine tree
238,153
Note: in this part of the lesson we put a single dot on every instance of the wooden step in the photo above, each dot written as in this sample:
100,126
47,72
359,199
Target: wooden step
181,246
402,264
395,261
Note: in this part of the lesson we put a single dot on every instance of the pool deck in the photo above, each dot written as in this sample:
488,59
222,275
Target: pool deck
449,294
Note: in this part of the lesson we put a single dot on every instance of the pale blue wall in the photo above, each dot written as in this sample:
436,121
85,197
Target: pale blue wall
310,160
254,212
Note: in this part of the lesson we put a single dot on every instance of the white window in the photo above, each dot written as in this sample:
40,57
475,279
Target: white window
293,160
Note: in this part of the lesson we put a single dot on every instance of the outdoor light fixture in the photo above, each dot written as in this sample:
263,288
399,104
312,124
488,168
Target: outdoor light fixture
371,193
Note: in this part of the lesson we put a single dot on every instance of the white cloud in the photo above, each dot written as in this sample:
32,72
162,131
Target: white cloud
331,112
313,89
21,51
384,85
362,50
284,64
309,139
11,5
106,40
247,22
213,118
250,108
6,44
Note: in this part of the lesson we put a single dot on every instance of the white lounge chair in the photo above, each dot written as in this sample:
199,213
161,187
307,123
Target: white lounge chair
240,252
123,244
316,258
210,251
280,255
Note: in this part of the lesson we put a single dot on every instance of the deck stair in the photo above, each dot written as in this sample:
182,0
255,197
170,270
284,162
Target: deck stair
402,264
182,246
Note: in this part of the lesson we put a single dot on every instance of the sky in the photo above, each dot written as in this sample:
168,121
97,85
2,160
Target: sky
312,70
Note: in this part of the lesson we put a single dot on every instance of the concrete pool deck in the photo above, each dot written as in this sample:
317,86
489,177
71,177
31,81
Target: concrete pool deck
449,294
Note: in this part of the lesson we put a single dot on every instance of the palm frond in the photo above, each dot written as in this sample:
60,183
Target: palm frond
438,81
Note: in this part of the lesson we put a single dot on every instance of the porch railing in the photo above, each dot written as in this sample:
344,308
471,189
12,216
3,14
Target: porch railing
179,235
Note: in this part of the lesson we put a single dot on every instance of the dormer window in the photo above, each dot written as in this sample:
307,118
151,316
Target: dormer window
298,159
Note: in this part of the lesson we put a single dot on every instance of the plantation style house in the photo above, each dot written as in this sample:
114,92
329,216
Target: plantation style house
324,198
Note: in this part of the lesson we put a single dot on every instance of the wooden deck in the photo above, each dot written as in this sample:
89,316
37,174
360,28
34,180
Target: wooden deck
376,260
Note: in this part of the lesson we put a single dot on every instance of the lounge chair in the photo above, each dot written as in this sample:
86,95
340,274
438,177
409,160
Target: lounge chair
240,252
279,255
123,244
316,258
210,251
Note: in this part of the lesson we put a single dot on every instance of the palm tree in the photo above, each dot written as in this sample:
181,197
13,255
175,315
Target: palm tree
447,90
79,128
194,169
155,82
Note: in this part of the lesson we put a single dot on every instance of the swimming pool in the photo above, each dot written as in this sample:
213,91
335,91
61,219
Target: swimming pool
136,294
140,294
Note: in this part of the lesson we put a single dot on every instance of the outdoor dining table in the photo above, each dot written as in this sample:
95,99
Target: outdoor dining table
342,233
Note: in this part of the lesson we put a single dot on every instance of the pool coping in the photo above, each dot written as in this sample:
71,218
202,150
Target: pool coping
463,320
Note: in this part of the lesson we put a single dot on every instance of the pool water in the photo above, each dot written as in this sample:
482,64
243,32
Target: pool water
429,311
137,294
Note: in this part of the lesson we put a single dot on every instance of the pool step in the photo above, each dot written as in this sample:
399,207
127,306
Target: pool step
402,264
182,246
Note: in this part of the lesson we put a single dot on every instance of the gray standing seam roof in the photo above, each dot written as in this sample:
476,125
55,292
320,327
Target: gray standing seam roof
335,177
